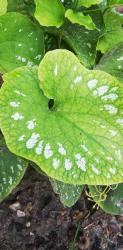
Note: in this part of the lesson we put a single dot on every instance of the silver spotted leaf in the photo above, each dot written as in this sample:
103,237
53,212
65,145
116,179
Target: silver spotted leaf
82,41
110,199
112,62
21,42
12,169
70,123
68,193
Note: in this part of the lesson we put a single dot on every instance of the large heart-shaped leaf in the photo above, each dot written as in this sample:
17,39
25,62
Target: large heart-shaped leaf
3,7
21,42
88,3
79,139
113,33
79,18
110,199
112,62
49,13
68,193
12,169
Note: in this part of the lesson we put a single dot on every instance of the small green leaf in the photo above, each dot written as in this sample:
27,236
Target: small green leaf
115,2
12,169
49,13
113,33
88,3
79,18
79,138
110,199
112,62
3,7
19,42
69,194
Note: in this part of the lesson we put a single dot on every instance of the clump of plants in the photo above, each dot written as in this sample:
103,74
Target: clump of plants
61,101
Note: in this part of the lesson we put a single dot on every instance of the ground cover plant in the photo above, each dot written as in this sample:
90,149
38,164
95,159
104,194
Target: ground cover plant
61,100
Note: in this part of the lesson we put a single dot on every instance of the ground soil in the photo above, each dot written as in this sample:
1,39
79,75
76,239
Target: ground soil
32,218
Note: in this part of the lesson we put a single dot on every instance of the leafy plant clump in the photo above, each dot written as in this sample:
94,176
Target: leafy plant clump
61,103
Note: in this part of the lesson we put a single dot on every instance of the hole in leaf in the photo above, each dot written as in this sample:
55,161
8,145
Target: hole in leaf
51,104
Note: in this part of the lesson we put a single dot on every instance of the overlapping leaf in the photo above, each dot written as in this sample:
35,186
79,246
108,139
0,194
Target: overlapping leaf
49,13
110,199
12,169
3,7
112,62
113,32
79,18
22,6
82,41
115,2
19,42
69,194
80,138
88,3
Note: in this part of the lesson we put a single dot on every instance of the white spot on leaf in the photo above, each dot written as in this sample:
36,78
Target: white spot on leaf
101,90
14,104
81,162
111,109
39,148
92,83
111,97
17,116
47,151
61,149
56,163
32,141
68,164
31,124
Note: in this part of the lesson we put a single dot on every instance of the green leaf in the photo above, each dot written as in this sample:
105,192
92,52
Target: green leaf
112,62
3,7
49,13
113,33
68,194
115,2
82,41
21,42
79,138
12,169
103,5
88,3
22,6
79,18
110,199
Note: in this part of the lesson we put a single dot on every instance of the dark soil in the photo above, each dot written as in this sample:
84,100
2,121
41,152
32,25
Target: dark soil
32,218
